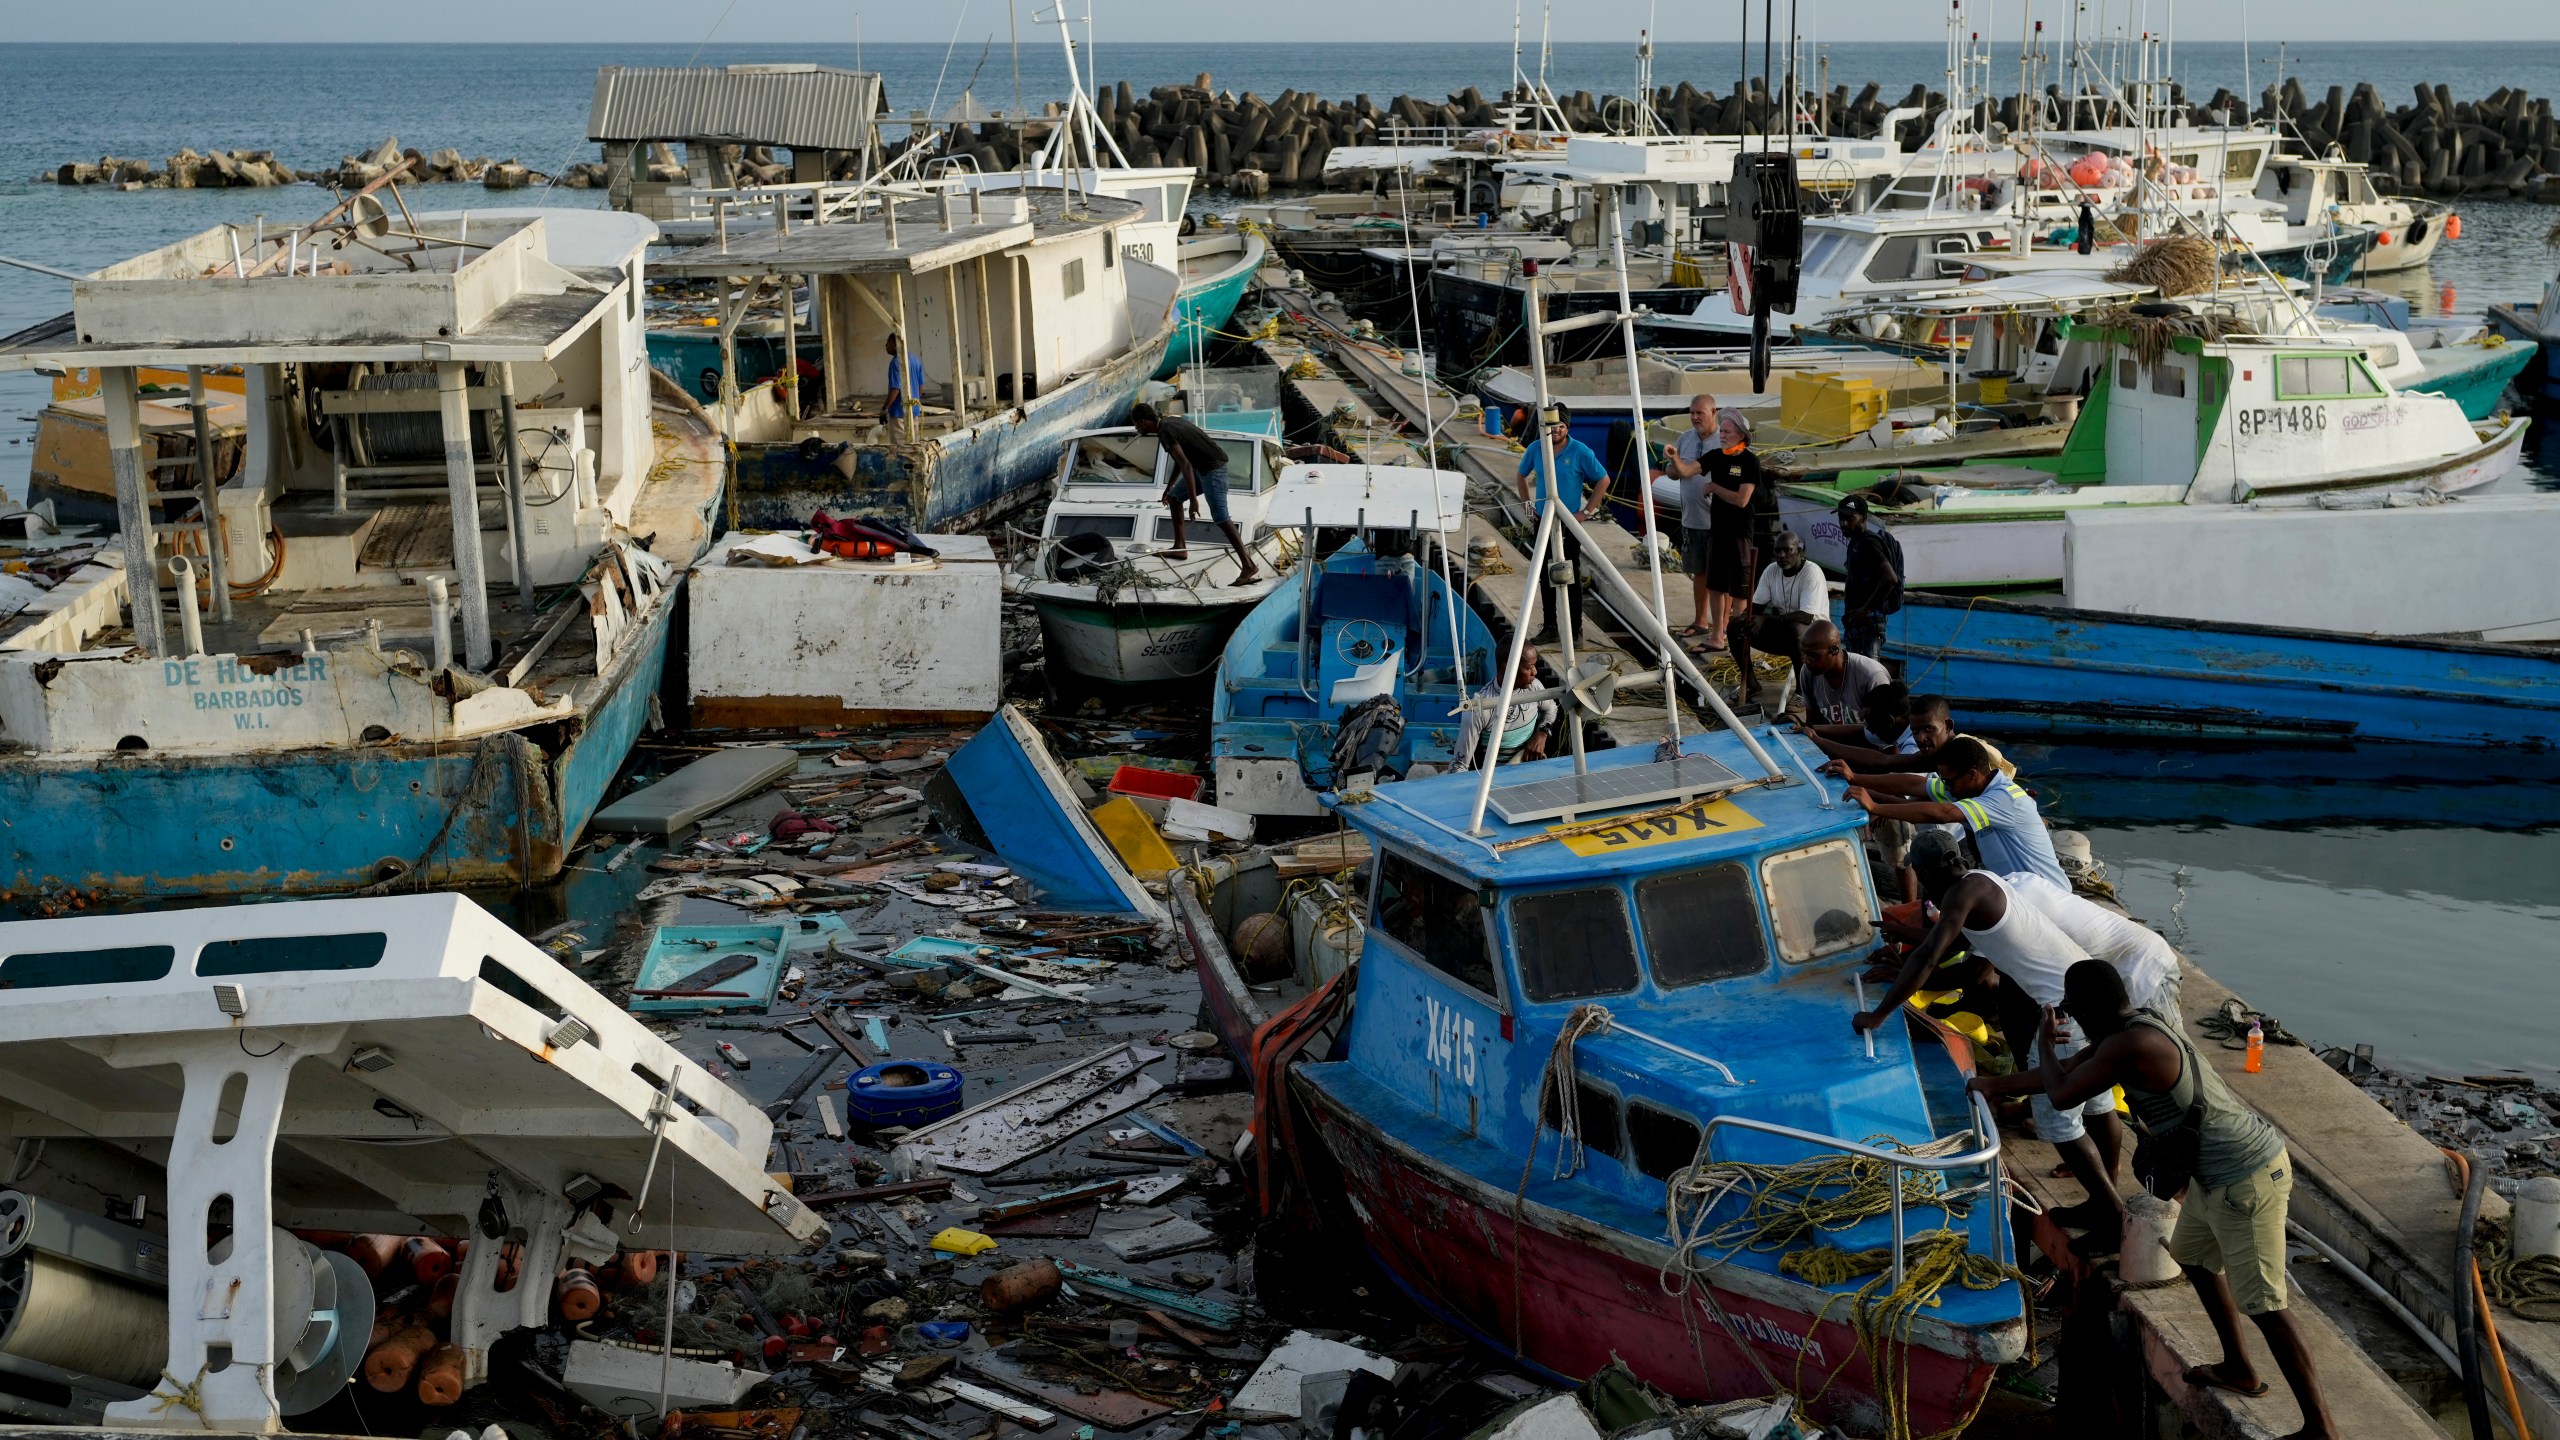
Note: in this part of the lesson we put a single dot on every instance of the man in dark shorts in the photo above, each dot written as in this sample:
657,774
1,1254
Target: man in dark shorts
1733,478
1875,577
1199,473
1687,464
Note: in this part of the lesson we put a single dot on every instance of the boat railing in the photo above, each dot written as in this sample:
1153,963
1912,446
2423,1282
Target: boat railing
1987,1154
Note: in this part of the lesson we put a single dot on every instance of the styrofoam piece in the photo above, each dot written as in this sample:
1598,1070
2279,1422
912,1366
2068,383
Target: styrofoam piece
842,641
1558,1418
1192,820
623,1383
1274,1388
701,788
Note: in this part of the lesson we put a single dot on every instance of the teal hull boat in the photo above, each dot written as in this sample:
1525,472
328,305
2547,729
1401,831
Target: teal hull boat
1215,271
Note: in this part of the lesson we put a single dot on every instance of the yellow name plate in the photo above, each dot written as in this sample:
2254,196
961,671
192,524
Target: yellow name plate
1689,822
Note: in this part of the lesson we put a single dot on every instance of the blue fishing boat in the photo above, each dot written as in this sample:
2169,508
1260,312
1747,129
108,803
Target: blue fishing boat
2048,667
1351,664
1004,792
1598,1057
280,702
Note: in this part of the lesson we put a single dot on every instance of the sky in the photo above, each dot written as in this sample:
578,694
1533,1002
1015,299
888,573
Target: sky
1298,22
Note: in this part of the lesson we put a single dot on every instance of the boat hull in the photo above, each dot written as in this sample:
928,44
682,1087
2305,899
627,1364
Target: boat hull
1136,644
499,809
2047,667
1477,323
1567,1296
1204,307
2539,379
2480,387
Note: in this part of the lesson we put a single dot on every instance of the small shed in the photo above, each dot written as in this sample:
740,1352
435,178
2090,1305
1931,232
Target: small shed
820,113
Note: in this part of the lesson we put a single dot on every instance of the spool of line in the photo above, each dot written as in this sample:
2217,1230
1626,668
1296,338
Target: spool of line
64,1314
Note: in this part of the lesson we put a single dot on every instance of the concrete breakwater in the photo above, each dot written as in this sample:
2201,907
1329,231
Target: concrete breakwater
191,169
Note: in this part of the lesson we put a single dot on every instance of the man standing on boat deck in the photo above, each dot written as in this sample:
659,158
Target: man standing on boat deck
1199,473
1576,467
1687,464
1875,577
2230,1236
906,383
1991,916
1969,790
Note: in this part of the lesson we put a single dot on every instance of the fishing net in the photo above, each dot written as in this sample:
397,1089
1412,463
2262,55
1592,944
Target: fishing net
2173,265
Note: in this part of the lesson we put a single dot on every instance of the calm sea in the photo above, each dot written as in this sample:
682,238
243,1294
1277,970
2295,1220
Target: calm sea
2404,900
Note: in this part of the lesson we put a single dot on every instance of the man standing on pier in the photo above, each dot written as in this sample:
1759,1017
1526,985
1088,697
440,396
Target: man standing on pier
1576,467
1875,577
2238,1178
1687,463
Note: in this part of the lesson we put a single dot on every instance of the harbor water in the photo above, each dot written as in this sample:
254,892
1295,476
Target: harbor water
2400,900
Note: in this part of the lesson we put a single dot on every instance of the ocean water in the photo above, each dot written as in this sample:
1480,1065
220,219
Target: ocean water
2403,900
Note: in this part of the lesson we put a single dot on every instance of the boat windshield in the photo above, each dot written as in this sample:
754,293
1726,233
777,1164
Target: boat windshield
1701,925
1114,460
1438,919
1574,943
1817,901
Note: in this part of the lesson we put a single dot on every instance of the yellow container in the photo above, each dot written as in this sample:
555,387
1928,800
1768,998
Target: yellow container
1133,836
1829,407
1995,389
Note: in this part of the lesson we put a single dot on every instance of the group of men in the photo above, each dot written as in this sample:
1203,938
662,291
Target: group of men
2096,993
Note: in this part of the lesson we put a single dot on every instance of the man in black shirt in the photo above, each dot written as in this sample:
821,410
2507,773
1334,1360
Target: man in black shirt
1734,545
1199,473
1875,577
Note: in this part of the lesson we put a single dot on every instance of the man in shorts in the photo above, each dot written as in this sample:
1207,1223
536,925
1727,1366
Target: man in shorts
1687,464
1199,474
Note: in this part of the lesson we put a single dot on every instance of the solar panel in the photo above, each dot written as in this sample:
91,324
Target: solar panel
1616,788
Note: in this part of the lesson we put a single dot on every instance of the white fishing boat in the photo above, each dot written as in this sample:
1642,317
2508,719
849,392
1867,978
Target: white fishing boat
2184,412
2406,229
443,417
1115,604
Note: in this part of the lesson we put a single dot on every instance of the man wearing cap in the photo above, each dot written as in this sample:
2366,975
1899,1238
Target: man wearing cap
1576,466
1875,577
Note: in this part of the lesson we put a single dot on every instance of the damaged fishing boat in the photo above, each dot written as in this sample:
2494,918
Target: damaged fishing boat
1598,1065
966,336
432,407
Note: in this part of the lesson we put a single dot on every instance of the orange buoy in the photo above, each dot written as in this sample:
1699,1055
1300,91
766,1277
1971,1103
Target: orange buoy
388,1366
427,1260
373,1254
440,1296
2452,226
576,1297
440,1376
635,1268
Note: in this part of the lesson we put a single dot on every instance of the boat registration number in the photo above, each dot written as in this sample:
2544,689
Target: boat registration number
1707,817
2282,419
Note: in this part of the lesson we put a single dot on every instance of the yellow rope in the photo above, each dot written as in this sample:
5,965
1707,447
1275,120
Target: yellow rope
1883,1315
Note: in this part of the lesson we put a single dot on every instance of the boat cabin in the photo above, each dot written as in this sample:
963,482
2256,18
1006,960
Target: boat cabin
1004,302
1108,500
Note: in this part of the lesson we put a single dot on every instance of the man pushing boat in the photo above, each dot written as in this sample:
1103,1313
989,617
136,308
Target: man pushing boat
1199,474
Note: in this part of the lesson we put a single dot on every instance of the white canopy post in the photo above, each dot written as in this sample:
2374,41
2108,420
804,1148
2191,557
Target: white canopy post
463,486
133,506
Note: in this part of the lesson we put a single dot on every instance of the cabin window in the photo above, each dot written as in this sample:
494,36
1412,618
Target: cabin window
1818,251
1435,917
1664,1144
1895,258
1107,252
2240,164
2324,377
1574,943
42,970
2170,380
1701,925
2128,375
1595,1117
270,953
1110,527
1202,532
1817,900
1071,278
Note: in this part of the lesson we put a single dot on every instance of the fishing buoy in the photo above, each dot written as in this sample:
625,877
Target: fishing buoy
388,1366
635,1268
2452,227
901,1092
1262,946
576,1297
440,1376
428,1261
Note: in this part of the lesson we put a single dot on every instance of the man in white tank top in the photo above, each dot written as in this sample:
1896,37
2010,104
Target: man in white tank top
1996,919
2149,967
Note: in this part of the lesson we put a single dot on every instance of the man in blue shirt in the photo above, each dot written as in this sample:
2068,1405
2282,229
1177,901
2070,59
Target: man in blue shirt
906,383
1969,790
1576,467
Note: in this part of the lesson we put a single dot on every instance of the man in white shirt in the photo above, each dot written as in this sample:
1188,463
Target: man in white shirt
1793,596
1525,724
2147,963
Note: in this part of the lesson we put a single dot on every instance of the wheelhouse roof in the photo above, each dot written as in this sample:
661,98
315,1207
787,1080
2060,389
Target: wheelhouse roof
1429,818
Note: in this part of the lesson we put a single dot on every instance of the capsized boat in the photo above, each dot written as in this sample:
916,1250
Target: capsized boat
1355,664
1566,1035
284,705
2212,417
1027,316
1114,604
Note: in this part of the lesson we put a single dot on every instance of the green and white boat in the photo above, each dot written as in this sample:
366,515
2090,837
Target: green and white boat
1114,605
2185,410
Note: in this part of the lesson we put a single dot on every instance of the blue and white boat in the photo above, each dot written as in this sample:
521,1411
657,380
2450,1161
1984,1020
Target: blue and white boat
1569,1028
448,420
1367,625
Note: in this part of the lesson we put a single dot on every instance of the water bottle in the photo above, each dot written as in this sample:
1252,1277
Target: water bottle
2257,1048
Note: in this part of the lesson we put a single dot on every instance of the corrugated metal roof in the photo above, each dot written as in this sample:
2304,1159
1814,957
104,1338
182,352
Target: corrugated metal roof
803,107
